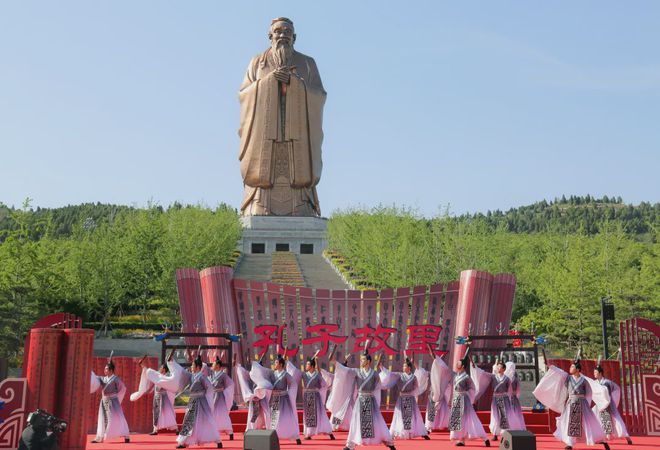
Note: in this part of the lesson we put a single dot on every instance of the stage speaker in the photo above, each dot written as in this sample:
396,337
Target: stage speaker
518,440
261,440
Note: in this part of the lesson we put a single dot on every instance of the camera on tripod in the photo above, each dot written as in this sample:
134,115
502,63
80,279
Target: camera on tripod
40,419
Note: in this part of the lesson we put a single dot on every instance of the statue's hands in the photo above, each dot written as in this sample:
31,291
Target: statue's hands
282,74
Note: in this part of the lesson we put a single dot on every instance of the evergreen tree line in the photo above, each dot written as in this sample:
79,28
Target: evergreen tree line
107,265
575,214
561,276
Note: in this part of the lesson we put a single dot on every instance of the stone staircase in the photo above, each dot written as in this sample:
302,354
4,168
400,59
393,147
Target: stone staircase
279,267
318,273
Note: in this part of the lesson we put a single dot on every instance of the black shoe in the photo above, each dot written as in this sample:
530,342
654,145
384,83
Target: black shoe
346,448
298,442
392,447
219,444
629,441
308,438
153,433
606,445
180,446
332,437
95,441
494,438
460,444
568,447
231,437
127,440
426,436
487,442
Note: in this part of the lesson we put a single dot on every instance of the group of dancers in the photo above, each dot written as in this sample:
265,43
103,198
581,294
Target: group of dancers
354,401
571,394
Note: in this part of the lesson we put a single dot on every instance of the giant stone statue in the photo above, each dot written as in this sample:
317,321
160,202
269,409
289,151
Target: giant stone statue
280,133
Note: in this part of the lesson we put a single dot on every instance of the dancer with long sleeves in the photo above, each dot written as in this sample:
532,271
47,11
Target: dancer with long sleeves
437,409
166,383
367,426
609,417
340,416
463,420
407,421
199,425
570,395
501,412
315,388
255,398
111,420
282,383
516,408
223,397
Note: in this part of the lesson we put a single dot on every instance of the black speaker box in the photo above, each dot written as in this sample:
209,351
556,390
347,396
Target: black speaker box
261,440
517,440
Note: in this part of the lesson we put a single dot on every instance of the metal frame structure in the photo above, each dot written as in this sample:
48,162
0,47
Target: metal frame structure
229,340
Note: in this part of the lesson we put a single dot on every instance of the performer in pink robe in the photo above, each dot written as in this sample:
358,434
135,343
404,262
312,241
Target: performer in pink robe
407,421
367,426
166,383
571,396
502,416
111,420
223,397
199,425
437,409
315,386
463,420
340,417
281,383
609,417
516,408
255,398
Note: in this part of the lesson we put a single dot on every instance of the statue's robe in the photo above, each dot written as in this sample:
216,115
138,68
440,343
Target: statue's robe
280,142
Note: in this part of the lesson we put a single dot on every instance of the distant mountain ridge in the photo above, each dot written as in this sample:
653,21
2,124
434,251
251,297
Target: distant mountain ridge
565,214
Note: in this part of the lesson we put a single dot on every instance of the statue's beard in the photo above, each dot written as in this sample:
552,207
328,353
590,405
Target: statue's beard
282,52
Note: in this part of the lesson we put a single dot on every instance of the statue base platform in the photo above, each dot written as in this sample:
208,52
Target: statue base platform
268,234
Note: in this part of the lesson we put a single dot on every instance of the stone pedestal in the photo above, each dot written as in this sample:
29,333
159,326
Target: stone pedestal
299,235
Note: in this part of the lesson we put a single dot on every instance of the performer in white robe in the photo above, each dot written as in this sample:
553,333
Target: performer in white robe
315,387
609,417
437,409
341,421
255,398
223,397
111,420
199,425
407,421
463,420
166,383
571,396
516,408
501,412
282,384
367,426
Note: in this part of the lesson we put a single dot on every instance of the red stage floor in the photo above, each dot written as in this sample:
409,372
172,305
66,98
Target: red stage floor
439,441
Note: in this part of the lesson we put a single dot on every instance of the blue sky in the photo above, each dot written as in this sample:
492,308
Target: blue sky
475,105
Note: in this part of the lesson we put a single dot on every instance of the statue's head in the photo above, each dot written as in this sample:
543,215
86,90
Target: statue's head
281,32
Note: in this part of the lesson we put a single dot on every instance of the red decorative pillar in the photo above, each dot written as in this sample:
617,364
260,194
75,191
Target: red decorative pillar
191,303
472,310
42,368
73,386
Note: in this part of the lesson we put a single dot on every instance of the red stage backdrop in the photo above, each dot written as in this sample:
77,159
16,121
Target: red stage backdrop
300,320
640,353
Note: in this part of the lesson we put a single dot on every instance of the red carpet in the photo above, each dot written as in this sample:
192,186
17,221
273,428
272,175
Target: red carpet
439,441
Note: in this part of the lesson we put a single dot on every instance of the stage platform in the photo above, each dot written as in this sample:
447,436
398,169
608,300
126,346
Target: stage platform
538,423
439,441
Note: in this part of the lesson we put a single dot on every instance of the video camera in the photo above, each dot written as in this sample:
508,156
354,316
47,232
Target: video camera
40,419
